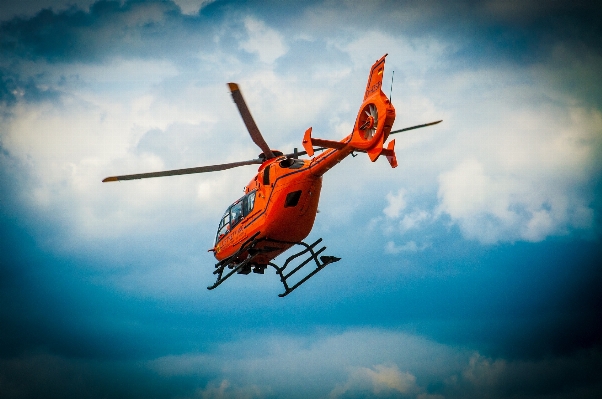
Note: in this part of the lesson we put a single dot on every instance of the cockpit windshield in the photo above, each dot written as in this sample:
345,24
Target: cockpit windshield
234,214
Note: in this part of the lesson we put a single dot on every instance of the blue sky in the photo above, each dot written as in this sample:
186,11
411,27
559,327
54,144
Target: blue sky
470,271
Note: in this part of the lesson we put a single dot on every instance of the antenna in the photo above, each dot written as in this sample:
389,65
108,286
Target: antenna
391,95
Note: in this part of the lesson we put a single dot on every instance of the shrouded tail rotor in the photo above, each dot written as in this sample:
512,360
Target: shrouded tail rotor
369,121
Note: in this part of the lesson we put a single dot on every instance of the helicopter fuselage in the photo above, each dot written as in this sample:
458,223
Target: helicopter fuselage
285,195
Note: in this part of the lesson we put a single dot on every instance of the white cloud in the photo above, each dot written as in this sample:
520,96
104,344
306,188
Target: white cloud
364,363
410,246
266,42
476,202
379,361
482,371
389,377
68,149
414,219
396,204
380,380
517,167
283,104
355,363
224,390
528,196
414,55
399,223
507,164
116,118
192,7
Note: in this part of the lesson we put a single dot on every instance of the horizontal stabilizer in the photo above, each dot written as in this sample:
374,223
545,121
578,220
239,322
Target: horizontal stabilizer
328,143
309,143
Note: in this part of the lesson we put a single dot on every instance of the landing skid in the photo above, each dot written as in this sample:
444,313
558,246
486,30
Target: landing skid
322,262
250,246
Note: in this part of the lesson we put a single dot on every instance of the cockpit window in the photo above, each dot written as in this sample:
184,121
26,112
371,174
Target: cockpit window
224,225
234,214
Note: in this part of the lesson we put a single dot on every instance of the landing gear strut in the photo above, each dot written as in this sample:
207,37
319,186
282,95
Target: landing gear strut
251,247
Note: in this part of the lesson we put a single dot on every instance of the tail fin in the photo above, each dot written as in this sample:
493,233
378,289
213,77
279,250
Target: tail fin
375,117
375,79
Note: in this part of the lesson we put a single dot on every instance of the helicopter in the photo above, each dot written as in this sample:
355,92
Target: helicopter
279,205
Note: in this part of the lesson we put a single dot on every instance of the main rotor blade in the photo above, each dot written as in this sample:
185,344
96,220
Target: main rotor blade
415,127
248,120
187,171
297,154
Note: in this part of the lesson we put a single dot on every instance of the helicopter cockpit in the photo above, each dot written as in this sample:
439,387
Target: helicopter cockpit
234,214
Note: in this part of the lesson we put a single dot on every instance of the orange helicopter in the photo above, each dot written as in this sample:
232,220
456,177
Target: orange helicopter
280,203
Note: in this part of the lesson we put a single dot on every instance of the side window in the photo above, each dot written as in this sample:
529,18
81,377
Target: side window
266,176
292,199
249,202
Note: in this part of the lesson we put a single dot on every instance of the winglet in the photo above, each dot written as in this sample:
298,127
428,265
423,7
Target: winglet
389,152
108,179
307,144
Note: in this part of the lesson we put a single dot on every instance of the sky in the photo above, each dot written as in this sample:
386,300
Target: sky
470,271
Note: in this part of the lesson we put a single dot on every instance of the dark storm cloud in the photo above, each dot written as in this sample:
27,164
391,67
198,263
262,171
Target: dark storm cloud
484,30
110,28
566,34
498,27
527,31
574,376
42,310
44,375
520,301
513,28
13,89
49,304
